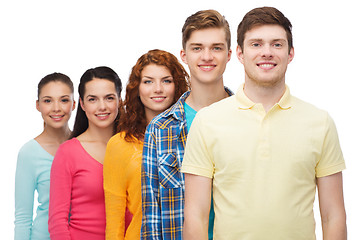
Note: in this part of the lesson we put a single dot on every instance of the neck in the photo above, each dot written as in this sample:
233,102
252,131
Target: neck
57,135
267,95
203,95
96,134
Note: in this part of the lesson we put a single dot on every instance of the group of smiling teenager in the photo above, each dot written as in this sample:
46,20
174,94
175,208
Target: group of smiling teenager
247,169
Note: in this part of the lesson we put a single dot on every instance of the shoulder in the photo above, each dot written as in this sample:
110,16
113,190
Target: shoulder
69,147
116,139
29,152
219,109
308,110
29,146
172,116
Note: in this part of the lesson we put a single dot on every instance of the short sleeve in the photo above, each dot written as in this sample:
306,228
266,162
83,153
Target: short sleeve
331,159
198,159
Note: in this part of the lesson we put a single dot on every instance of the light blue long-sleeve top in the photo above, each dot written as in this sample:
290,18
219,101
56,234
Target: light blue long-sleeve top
32,174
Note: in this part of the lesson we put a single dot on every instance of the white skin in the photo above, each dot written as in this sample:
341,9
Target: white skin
206,53
55,103
265,58
101,106
156,90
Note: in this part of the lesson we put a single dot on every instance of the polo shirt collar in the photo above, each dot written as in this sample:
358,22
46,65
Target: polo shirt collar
245,103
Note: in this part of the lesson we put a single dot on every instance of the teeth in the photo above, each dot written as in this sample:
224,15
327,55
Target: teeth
266,65
102,115
207,67
158,98
56,117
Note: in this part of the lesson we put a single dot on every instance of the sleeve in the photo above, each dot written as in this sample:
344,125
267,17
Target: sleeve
115,191
151,219
25,185
331,159
198,160
60,194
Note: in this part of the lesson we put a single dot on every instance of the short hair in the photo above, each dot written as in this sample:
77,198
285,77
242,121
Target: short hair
202,20
81,121
133,121
55,77
263,16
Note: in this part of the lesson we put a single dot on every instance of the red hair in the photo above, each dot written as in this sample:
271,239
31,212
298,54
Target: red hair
132,120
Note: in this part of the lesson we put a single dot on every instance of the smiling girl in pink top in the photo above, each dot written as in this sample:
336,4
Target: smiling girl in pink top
77,207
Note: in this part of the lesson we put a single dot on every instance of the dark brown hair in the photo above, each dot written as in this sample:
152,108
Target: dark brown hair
81,121
263,16
55,77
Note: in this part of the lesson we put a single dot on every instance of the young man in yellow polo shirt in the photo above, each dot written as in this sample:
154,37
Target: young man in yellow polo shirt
263,150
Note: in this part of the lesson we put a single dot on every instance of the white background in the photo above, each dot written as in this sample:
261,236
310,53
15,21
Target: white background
41,37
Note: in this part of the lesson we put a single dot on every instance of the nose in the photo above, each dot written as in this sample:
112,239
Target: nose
102,104
267,51
158,87
207,55
56,106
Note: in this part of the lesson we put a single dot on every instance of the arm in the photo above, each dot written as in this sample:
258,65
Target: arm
197,207
60,196
25,183
115,191
151,219
332,210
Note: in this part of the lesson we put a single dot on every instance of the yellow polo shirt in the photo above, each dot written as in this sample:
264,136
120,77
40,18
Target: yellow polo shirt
264,165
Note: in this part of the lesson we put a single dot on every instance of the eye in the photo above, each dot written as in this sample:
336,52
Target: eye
146,81
255,44
169,80
91,99
196,49
110,98
218,48
47,101
277,45
65,100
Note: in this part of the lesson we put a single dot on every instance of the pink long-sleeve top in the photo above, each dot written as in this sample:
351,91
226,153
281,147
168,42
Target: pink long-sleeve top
77,205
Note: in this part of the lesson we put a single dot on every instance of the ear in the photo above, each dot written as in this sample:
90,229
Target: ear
291,55
229,55
37,105
81,104
240,54
74,104
183,56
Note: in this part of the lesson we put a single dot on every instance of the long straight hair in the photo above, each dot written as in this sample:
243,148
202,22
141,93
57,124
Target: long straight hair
81,123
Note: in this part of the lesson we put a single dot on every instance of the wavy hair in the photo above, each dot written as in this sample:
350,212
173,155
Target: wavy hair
133,120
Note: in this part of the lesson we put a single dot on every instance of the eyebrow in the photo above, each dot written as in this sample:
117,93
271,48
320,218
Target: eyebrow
214,44
261,40
149,77
52,97
110,94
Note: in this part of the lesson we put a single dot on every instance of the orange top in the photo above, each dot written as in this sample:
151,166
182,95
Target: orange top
122,187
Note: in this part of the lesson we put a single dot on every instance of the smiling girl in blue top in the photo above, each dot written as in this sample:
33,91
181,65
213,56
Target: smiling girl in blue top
55,103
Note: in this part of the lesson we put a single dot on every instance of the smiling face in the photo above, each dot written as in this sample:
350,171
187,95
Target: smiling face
156,89
206,54
265,55
56,102
100,103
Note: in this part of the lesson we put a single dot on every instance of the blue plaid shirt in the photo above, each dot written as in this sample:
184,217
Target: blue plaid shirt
162,183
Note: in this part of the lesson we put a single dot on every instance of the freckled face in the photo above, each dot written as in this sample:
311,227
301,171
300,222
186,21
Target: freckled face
156,89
